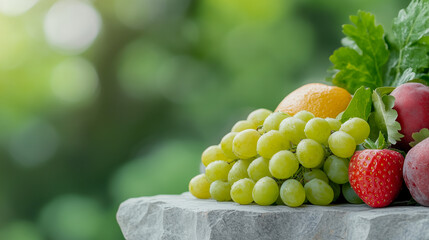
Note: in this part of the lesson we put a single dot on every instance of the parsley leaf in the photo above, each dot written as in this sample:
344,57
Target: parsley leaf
365,53
409,48
419,136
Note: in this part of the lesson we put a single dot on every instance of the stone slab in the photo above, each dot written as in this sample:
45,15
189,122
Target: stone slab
184,217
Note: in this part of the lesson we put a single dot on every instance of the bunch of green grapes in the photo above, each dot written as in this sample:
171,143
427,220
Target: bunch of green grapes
277,158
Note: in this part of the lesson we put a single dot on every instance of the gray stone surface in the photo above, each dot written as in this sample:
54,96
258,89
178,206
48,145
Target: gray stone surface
185,217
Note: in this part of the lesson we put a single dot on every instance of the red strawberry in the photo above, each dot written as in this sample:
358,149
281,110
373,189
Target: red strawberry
376,175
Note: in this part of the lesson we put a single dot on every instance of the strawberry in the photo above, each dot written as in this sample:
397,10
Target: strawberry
376,175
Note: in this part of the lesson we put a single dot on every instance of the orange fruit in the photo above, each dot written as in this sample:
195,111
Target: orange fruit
320,99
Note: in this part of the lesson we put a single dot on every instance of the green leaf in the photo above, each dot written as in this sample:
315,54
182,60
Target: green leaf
410,48
359,106
419,136
361,61
384,114
381,142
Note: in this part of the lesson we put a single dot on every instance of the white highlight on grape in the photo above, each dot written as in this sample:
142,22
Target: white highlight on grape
16,7
72,25
74,80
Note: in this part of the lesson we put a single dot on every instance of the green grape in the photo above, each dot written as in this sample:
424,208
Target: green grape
293,129
226,145
266,191
220,190
292,193
273,121
337,190
315,173
245,142
283,164
337,169
238,171
241,191
357,128
218,170
319,192
350,194
304,115
334,124
212,154
342,144
199,186
318,129
243,125
259,169
310,153
258,116
270,143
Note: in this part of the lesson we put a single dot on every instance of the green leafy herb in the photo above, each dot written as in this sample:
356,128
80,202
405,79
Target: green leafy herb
359,106
384,116
419,136
361,62
410,46
380,143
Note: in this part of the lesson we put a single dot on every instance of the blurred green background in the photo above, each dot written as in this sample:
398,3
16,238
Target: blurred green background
105,100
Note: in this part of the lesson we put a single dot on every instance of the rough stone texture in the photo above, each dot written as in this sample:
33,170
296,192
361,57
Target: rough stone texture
185,217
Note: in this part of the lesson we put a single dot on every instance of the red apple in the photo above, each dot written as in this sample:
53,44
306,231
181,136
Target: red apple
412,105
416,172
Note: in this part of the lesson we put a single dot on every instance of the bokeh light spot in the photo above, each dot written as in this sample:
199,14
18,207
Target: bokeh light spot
74,80
16,7
72,217
72,25
34,143
138,14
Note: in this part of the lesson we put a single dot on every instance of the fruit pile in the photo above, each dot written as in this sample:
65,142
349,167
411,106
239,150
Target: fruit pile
321,142
273,157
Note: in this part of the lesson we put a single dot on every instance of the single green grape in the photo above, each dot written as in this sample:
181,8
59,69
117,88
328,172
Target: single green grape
357,128
243,125
270,143
245,142
293,129
337,169
334,124
350,194
258,116
199,186
241,191
283,164
218,170
342,144
212,154
258,169
238,171
292,193
319,192
337,190
310,153
226,145
311,174
265,192
318,129
220,191
273,121
304,115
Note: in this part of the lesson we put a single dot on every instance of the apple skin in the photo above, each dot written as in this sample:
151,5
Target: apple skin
412,105
416,172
